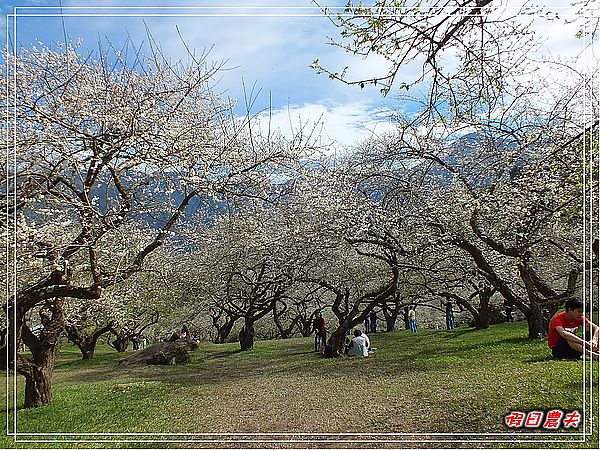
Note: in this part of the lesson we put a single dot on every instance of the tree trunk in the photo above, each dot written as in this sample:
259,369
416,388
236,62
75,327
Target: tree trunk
44,349
305,325
537,323
390,322
223,332
38,386
482,318
121,341
87,350
481,322
278,318
405,317
391,311
121,344
287,332
481,313
390,314
85,343
339,335
339,340
247,336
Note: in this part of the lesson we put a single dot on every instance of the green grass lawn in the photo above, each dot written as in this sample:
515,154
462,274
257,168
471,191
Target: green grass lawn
433,382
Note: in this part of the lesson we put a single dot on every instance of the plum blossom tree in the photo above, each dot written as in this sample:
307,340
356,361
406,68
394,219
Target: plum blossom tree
324,229
496,136
506,189
297,309
432,42
125,309
491,136
246,279
86,322
96,139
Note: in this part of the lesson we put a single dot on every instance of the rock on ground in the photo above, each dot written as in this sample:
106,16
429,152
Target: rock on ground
162,353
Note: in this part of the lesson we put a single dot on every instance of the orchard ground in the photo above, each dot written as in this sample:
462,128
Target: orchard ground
435,381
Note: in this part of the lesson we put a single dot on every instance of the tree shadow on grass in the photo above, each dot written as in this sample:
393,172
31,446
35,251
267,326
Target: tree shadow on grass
221,355
457,334
515,340
306,352
96,361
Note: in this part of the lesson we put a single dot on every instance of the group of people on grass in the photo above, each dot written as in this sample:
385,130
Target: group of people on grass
359,345
563,341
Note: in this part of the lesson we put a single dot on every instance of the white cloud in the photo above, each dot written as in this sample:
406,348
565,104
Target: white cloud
342,124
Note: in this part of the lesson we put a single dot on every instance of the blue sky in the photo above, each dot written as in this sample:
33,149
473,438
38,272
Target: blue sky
271,53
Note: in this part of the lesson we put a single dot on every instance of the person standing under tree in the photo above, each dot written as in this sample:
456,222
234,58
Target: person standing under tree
449,316
412,318
372,321
320,331
562,338
508,310
135,340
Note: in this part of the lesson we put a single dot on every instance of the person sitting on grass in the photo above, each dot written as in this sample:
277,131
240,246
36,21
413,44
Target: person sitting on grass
366,338
358,345
370,349
562,337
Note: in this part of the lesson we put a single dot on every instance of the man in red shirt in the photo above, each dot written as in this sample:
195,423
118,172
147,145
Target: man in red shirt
562,337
